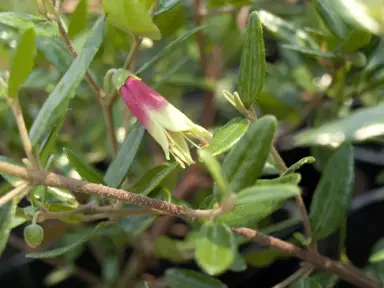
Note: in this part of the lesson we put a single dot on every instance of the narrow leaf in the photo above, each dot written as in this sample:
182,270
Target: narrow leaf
7,213
165,5
244,164
311,52
298,164
252,65
331,199
78,19
57,103
227,136
292,178
118,169
86,172
177,278
22,63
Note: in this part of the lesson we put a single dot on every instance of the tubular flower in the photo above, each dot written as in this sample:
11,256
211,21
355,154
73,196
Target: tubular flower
167,125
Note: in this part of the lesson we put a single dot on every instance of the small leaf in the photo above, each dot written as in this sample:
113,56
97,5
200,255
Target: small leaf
119,77
311,52
57,103
168,49
377,254
7,213
131,16
215,170
227,136
177,278
22,63
165,5
307,282
244,164
298,164
80,165
78,19
293,178
257,202
331,199
167,248
238,264
62,250
215,248
118,169
252,65
263,258
22,21
152,178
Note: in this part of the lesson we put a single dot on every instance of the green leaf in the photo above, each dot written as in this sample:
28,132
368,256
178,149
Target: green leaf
356,39
22,21
131,16
331,19
62,250
377,254
263,258
167,248
152,178
311,52
244,164
215,248
119,77
331,199
326,279
307,282
252,65
118,169
215,170
81,166
238,264
165,5
257,202
361,125
78,19
22,63
225,137
48,145
293,178
7,213
177,278
168,49
57,103
298,164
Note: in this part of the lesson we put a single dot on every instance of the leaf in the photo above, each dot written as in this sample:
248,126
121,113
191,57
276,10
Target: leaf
225,137
331,199
307,282
244,164
215,170
7,213
252,65
131,16
48,145
263,258
169,48
311,52
118,169
167,248
62,250
152,178
165,5
177,278
215,248
22,62
22,21
361,125
80,165
377,254
57,103
298,164
293,178
326,279
355,40
78,19
238,264
257,202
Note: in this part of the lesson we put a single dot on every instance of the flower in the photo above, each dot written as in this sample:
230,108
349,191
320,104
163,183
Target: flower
167,125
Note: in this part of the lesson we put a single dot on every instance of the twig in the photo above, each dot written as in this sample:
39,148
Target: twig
13,193
303,271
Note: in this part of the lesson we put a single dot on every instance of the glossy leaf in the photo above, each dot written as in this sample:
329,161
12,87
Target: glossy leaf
361,125
225,137
22,21
152,179
80,165
298,164
177,278
22,63
78,19
118,169
131,16
257,202
215,248
331,199
307,282
215,170
244,164
165,5
292,178
252,65
58,101
7,213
